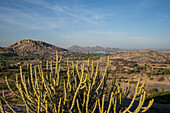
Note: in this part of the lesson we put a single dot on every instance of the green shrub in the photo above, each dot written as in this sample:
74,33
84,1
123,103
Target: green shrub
133,82
151,78
152,91
131,71
161,79
160,97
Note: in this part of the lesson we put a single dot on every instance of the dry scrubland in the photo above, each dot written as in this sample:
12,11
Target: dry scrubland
79,84
122,67
85,90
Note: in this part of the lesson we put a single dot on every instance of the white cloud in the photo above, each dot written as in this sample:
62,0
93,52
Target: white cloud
75,12
31,20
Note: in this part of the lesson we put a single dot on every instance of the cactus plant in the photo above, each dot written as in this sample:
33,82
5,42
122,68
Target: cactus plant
82,91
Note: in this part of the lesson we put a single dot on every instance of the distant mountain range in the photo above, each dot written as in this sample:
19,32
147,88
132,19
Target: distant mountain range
29,48
39,48
97,48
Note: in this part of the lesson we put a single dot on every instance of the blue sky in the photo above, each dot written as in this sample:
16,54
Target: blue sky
109,23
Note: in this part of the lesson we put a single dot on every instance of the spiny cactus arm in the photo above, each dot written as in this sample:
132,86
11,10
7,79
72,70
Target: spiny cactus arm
38,87
103,103
94,79
141,101
59,106
46,76
43,81
55,109
85,79
141,87
32,81
6,104
49,93
77,69
60,59
46,86
100,109
129,111
31,107
68,79
23,81
45,95
31,76
84,99
110,103
58,75
83,86
94,107
39,70
53,81
75,82
24,85
102,79
36,78
30,98
73,68
10,87
57,56
134,97
82,70
149,105
88,64
57,61
39,102
73,101
65,93
119,93
115,102
16,81
1,107
54,90
87,101
23,97
47,65
46,106
127,90
78,106
92,68
56,65
123,87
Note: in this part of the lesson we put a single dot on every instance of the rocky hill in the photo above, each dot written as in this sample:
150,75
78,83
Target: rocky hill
4,52
29,48
97,48
143,56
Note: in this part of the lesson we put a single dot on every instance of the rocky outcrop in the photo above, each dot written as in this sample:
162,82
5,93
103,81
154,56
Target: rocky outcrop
31,47
4,52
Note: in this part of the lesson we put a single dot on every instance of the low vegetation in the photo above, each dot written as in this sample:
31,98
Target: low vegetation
79,89
159,97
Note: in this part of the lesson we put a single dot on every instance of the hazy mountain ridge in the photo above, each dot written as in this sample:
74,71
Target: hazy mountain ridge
96,48
29,48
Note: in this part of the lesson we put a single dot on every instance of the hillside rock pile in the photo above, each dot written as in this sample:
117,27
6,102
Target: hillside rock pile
29,48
